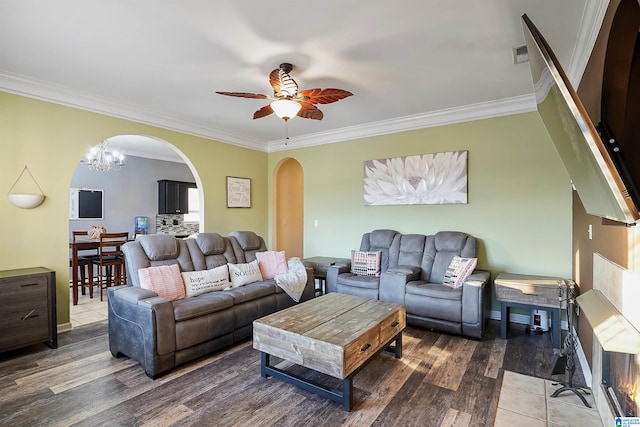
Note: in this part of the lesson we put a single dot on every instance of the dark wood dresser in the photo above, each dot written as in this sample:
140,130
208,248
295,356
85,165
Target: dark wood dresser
27,308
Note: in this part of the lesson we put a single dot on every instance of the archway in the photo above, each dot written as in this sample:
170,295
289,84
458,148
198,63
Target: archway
132,191
289,207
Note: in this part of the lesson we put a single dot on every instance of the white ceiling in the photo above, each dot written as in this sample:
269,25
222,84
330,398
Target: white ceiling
409,63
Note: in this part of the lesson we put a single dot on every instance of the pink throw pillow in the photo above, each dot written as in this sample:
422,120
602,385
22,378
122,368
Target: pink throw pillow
272,263
165,280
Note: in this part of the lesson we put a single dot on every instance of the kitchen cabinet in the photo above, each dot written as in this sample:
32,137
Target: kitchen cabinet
173,196
27,308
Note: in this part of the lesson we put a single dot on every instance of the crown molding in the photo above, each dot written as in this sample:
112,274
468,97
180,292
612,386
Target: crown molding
85,101
484,110
153,156
590,24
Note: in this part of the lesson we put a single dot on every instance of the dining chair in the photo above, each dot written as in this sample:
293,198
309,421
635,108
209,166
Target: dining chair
110,260
85,269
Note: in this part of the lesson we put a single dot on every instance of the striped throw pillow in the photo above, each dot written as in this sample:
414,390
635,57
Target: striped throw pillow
458,271
365,263
164,280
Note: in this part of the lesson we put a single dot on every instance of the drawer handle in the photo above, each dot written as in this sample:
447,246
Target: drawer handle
394,324
29,284
29,314
365,347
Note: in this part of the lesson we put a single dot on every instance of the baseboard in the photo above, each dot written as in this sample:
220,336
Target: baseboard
64,327
513,317
521,318
588,379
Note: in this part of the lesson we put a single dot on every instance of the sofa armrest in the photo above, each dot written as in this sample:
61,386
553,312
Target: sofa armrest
479,278
475,301
141,326
394,280
332,276
412,272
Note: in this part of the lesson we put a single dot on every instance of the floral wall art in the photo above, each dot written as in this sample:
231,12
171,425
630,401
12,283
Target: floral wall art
428,179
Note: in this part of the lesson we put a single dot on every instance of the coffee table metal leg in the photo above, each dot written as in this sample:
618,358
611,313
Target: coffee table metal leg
347,393
344,396
399,346
396,348
264,362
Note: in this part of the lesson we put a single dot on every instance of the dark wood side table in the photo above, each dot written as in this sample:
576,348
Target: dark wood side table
28,308
320,264
530,292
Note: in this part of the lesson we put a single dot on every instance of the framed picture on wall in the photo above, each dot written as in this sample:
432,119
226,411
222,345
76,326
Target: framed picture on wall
427,179
238,192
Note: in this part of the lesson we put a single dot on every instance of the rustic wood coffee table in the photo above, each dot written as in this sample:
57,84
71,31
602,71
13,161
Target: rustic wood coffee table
334,334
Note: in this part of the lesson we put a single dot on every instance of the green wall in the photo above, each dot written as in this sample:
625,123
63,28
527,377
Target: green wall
519,195
51,139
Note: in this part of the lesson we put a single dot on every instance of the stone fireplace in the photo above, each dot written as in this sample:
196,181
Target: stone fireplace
611,308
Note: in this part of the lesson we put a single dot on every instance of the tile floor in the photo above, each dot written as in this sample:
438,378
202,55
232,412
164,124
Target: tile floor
88,310
527,401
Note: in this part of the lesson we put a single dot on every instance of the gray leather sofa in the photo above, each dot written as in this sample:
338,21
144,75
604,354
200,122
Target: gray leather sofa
412,272
161,334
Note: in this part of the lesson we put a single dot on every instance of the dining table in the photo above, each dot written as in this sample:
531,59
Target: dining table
79,245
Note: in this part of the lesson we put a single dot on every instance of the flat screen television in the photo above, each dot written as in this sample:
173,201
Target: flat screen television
86,203
596,170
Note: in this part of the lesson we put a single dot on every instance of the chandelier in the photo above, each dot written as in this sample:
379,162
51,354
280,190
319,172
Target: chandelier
101,160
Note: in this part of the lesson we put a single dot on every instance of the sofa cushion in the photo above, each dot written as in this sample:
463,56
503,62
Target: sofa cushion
200,305
241,274
407,270
248,240
430,304
201,281
385,241
252,291
435,290
365,263
450,241
159,247
349,279
440,250
210,250
458,271
211,243
272,263
165,280
381,238
410,249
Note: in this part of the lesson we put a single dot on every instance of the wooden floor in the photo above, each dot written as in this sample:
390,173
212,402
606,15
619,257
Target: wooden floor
441,380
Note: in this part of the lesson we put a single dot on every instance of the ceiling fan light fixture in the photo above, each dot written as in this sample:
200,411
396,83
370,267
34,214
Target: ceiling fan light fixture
285,108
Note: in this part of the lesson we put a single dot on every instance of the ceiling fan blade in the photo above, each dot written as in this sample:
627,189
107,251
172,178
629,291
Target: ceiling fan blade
263,112
282,83
310,111
244,95
325,96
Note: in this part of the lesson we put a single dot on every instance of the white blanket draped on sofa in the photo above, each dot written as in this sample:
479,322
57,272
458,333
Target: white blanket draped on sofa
293,282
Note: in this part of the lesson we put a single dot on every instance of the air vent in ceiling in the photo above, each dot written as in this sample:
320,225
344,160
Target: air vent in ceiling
520,54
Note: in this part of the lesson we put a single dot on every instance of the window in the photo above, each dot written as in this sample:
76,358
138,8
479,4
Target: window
194,206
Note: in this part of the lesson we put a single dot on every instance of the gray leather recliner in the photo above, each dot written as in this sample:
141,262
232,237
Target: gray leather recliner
161,334
414,276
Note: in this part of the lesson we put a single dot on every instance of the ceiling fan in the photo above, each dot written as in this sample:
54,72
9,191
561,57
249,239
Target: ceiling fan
287,102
